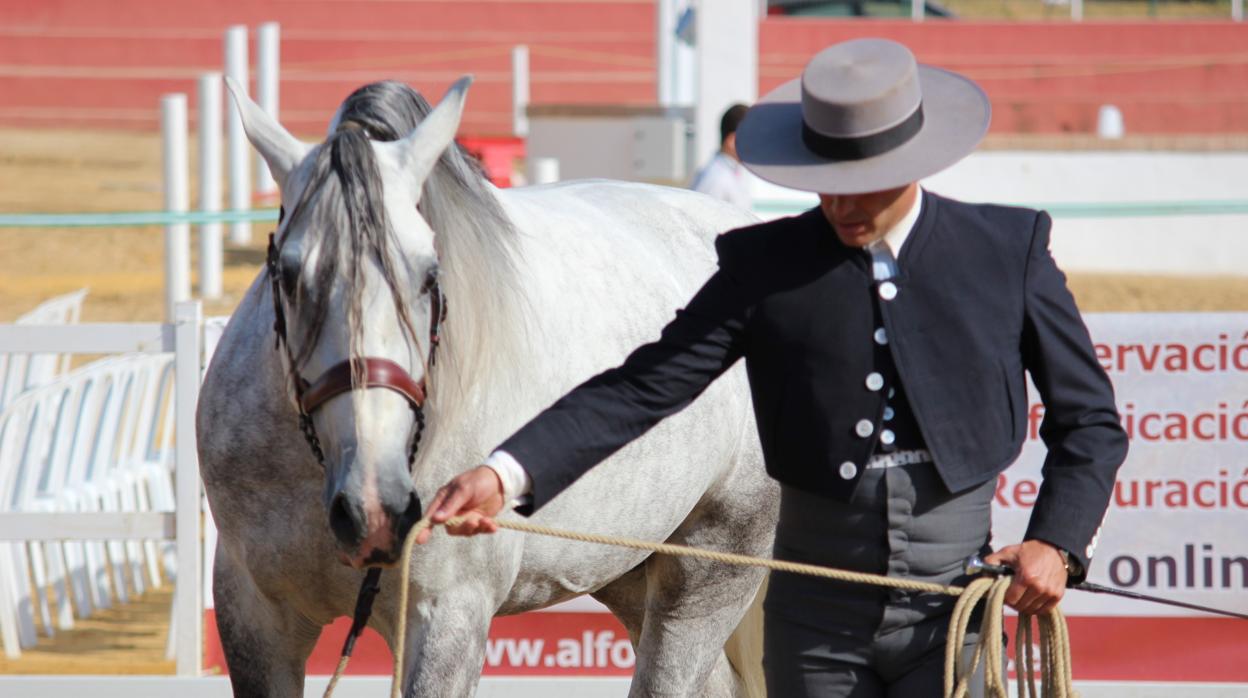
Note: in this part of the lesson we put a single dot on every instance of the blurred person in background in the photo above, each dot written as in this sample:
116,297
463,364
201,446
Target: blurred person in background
724,177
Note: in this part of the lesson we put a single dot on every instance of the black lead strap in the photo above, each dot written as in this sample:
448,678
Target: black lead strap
975,565
363,608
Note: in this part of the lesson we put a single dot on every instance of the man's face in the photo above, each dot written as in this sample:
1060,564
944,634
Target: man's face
861,219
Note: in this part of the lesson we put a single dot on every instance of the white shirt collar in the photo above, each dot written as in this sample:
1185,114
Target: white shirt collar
900,232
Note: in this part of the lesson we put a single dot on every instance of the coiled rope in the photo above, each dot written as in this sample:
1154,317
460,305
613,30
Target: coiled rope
1055,669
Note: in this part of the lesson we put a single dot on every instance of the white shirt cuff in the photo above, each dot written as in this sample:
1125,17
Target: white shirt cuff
515,479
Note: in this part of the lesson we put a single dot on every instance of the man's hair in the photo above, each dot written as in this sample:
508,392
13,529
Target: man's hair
730,120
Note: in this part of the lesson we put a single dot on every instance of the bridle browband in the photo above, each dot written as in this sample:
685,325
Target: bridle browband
354,373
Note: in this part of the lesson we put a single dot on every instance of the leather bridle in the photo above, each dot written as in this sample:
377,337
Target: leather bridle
355,373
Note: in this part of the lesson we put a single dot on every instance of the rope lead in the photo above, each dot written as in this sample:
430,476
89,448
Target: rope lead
1055,668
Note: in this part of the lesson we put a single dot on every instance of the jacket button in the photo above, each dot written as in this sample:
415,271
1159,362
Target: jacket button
887,437
874,381
880,336
848,470
864,428
888,290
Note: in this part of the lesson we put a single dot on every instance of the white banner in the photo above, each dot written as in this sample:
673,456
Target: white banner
1177,521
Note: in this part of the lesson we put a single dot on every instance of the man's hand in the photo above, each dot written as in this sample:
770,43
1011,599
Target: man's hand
1039,576
476,495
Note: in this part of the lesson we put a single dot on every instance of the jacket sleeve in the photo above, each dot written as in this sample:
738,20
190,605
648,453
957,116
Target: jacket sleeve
1081,430
658,379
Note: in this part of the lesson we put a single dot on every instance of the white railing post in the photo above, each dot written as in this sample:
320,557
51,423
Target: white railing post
236,139
268,58
176,199
1237,10
917,10
543,170
520,90
188,613
1076,10
210,243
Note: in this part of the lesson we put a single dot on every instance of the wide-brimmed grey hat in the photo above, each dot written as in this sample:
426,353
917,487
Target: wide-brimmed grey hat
863,117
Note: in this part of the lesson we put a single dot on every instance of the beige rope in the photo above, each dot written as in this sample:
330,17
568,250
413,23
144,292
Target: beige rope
1054,640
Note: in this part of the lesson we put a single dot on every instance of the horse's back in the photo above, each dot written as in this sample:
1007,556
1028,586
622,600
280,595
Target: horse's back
619,256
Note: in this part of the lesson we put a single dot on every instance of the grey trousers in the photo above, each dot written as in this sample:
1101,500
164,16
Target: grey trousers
827,638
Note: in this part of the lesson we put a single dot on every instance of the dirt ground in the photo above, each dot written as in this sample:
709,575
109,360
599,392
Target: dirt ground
76,171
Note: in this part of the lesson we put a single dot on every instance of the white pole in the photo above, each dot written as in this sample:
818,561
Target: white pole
267,64
727,68
188,612
917,10
543,170
665,35
520,90
176,199
238,150
210,257
1076,10
1237,10
685,62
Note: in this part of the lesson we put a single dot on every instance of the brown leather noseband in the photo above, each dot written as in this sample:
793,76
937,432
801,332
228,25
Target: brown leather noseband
351,374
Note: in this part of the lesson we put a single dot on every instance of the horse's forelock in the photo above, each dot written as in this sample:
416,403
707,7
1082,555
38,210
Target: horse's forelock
476,243
342,212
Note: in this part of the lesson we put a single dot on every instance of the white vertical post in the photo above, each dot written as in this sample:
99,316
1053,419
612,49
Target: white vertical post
1237,10
210,243
238,150
520,90
543,170
188,611
176,199
685,62
727,60
1076,10
268,60
665,47
917,10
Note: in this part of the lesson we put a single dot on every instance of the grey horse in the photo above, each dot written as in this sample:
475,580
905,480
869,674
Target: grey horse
411,316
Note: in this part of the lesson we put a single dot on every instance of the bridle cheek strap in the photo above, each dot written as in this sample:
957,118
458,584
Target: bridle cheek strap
370,372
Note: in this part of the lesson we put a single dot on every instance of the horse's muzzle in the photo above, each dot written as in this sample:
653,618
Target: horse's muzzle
366,541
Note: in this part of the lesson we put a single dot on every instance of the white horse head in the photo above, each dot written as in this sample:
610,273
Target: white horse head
354,271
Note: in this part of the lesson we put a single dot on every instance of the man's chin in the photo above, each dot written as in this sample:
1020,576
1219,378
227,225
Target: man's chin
859,235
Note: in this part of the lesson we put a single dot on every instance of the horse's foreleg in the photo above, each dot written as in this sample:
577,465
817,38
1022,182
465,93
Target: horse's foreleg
445,646
266,644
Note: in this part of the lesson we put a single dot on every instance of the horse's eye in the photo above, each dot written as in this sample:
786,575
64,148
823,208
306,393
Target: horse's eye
288,273
431,280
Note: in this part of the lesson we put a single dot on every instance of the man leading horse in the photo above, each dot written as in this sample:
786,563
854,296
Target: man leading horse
886,334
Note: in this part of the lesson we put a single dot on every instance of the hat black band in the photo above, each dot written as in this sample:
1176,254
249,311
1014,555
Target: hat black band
862,147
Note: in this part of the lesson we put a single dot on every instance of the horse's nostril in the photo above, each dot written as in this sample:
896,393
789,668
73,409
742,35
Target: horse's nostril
409,516
346,527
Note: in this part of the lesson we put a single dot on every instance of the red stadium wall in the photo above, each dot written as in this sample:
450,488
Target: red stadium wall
1165,77
86,62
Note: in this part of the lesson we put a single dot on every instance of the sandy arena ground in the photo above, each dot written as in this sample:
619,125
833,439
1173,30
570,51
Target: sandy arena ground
74,171
78,171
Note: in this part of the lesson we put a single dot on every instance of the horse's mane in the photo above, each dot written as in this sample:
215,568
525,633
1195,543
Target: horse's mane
475,240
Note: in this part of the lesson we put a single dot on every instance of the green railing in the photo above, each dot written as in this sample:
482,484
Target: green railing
1117,209
124,219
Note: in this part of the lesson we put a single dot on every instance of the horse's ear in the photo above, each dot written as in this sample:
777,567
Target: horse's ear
420,150
276,145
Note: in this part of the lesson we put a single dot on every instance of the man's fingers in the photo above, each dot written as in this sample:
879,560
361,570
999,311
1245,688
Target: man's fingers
472,523
436,504
456,496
